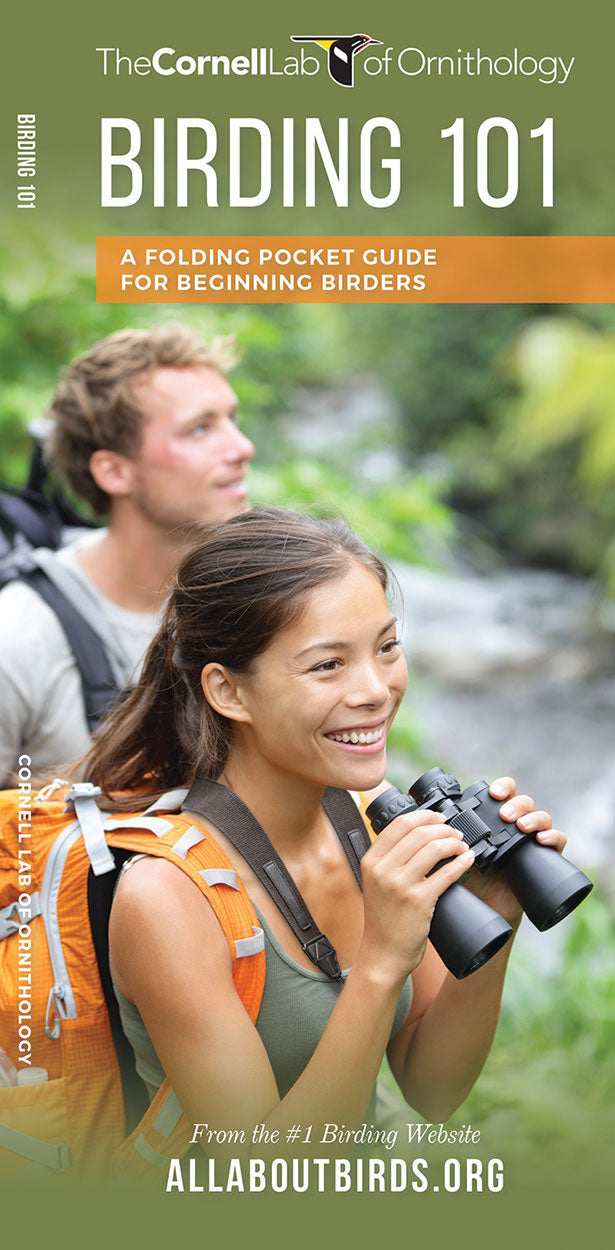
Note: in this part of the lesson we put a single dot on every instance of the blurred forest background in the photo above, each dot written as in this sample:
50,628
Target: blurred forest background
475,447
504,413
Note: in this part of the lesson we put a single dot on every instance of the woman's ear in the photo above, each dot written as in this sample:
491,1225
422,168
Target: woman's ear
224,693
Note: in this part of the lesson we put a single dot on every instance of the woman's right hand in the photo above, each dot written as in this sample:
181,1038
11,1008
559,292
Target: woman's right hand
400,896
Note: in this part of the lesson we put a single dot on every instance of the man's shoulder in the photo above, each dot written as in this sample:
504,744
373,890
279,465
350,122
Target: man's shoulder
28,626
14,571
20,600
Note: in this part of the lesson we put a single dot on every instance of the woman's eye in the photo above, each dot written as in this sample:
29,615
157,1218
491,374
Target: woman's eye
327,666
390,646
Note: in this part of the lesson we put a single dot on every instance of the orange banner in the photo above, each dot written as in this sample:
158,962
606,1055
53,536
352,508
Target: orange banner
370,269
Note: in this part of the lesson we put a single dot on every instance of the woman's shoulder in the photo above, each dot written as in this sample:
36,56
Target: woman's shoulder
159,917
160,892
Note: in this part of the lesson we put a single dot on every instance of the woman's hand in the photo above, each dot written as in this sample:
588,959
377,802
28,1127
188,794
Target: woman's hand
519,809
438,1053
399,892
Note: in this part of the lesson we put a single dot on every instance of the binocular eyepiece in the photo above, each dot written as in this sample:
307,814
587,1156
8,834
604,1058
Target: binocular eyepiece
465,931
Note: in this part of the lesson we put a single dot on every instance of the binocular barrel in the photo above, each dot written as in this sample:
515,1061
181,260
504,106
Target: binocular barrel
465,931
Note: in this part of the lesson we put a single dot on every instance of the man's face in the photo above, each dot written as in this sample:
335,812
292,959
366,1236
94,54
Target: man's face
192,463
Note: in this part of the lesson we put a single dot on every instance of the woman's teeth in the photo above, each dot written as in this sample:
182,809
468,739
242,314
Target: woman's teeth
364,738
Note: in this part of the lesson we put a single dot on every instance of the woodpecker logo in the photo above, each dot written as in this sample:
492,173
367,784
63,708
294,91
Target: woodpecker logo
341,51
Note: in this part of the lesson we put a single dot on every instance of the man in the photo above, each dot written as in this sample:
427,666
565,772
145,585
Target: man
145,431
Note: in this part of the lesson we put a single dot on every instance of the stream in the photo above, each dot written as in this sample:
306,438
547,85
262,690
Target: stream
511,675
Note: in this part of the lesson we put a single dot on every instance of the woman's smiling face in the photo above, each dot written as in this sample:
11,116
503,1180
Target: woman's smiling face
320,700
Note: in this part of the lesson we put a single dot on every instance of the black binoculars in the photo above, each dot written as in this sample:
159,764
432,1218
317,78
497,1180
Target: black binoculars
465,931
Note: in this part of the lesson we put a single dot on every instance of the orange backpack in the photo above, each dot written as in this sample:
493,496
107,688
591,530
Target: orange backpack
57,1009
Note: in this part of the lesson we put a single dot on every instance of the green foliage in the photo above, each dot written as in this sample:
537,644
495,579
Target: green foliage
506,453
442,363
455,373
49,314
562,423
396,518
550,1082
567,378
547,1092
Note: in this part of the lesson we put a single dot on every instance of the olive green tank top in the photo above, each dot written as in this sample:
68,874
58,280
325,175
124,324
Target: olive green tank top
294,1012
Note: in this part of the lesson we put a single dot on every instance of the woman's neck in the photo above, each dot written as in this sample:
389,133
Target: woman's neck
288,808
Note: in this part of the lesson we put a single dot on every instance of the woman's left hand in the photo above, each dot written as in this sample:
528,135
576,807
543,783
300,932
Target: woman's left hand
519,809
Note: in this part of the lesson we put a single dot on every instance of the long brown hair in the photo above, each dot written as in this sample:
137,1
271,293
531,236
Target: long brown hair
245,581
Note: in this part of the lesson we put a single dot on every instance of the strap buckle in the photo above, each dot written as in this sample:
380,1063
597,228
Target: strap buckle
82,796
82,790
322,953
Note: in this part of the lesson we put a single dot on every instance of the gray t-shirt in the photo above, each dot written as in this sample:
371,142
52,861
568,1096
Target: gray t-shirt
41,702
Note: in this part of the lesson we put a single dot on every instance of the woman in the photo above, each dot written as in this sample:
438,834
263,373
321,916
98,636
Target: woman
278,672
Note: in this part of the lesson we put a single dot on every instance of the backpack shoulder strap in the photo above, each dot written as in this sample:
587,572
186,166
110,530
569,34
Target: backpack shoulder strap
235,820
231,815
164,1132
347,821
83,597
197,853
29,521
97,679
